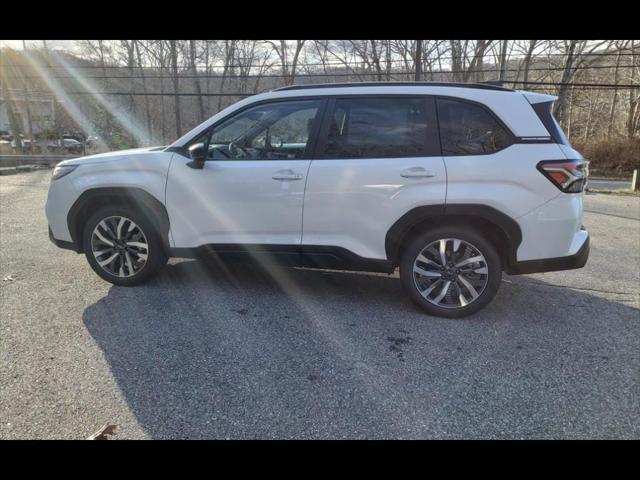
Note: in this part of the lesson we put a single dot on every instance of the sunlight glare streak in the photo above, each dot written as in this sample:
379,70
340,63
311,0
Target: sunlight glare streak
64,100
128,121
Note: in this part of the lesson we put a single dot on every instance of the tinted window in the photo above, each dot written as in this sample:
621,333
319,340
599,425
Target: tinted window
265,132
468,129
382,127
543,110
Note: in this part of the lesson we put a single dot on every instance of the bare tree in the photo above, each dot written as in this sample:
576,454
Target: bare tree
633,116
288,58
136,44
620,46
229,56
578,54
196,80
25,84
466,57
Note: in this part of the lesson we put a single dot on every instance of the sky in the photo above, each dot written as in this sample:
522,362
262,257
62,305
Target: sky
53,44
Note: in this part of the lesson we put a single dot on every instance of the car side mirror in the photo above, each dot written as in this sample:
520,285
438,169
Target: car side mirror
198,155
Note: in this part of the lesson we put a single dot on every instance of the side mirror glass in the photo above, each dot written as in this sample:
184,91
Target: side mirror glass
198,156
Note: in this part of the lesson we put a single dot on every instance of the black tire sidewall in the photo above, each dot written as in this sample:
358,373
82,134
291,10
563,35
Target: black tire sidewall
156,256
469,235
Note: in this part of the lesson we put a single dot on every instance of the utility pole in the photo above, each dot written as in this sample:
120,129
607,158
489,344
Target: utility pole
418,60
13,122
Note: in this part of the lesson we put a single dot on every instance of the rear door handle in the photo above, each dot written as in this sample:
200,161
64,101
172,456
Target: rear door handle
286,175
417,172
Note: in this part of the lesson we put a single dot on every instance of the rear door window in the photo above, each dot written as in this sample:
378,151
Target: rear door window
469,129
382,127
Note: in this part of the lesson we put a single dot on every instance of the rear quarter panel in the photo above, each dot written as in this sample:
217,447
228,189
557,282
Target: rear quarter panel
510,182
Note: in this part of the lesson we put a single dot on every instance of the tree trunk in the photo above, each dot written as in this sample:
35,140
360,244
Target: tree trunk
418,60
26,102
612,111
9,105
566,76
294,63
196,80
593,106
107,116
634,98
176,97
503,60
527,61
229,48
144,90
570,115
376,60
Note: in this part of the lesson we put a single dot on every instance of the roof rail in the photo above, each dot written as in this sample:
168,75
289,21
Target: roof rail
482,86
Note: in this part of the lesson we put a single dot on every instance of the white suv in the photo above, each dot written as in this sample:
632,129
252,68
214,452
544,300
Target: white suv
453,183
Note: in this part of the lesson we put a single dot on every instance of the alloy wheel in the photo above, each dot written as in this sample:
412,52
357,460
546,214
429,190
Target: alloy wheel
450,273
119,246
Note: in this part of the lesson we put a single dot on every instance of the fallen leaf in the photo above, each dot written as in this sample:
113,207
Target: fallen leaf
102,433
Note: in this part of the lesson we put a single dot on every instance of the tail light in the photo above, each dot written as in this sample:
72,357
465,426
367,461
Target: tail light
570,176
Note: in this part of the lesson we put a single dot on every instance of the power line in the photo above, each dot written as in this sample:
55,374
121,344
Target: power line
346,62
576,84
320,74
585,86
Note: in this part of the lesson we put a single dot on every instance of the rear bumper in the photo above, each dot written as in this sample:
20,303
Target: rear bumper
570,262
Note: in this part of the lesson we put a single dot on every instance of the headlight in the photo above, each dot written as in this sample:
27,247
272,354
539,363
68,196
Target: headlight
62,170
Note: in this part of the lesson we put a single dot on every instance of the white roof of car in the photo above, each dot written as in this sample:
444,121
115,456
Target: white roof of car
512,106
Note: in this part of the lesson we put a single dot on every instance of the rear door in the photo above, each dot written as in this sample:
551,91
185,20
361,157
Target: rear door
377,158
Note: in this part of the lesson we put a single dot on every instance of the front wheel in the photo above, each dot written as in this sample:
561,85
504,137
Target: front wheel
451,271
122,246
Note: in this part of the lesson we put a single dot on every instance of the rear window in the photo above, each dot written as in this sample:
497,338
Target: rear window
544,112
469,129
382,128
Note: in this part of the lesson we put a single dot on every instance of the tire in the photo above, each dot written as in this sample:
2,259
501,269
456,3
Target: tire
134,264
426,286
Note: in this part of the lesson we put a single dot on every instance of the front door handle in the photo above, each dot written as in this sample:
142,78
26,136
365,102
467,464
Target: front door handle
417,172
284,175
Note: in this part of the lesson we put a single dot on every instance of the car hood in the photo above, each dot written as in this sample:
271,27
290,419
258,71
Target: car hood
109,156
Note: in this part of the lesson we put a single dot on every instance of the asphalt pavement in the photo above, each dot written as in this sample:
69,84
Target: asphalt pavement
208,352
605,184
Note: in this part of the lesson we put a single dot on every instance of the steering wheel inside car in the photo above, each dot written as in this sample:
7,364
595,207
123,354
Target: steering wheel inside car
235,149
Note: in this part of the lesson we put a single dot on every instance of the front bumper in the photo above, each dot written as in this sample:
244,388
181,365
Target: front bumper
62,243
570,262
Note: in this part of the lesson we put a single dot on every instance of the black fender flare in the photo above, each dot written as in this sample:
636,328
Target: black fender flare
508,228
136,197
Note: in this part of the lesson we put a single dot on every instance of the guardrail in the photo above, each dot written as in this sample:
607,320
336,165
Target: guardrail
18,160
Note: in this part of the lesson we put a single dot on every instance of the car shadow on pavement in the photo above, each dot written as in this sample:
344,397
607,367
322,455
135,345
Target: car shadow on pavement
205,351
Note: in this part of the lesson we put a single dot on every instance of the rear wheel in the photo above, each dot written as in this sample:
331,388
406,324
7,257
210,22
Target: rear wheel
122,246
451,271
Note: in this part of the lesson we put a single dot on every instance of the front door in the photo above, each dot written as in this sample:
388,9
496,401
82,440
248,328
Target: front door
251,189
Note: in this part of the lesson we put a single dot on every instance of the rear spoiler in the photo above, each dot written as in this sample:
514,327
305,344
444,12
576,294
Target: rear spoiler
534,98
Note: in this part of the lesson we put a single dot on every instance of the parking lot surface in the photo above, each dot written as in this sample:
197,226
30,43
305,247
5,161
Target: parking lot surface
208,352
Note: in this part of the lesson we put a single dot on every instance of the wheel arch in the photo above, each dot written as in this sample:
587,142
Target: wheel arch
92,199
503,231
